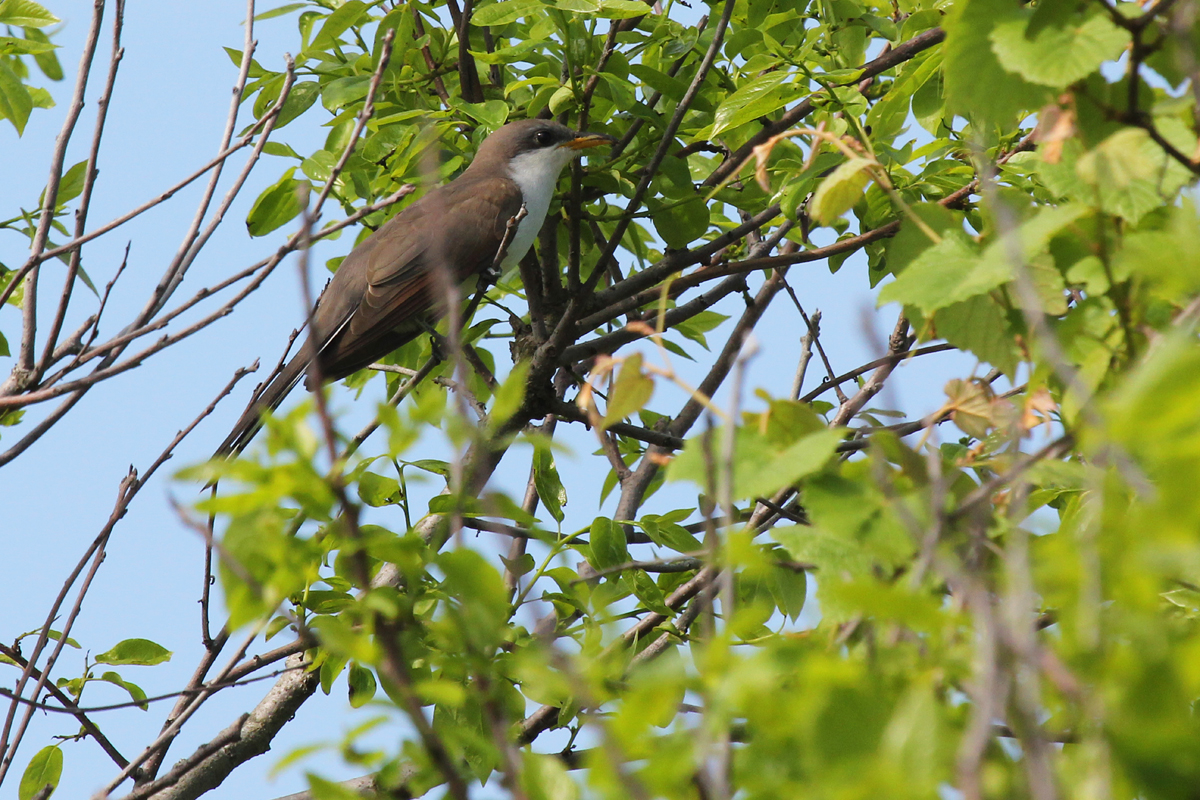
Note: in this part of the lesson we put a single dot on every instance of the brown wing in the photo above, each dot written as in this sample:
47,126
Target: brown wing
386,286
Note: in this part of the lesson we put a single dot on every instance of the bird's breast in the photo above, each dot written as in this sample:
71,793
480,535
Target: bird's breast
522,240
536,173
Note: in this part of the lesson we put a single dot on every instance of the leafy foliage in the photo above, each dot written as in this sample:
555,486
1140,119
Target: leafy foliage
17,99
981,599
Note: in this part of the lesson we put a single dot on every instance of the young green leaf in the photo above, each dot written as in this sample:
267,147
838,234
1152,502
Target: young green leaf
840,190
142,652
15,101
752,100
276,206
505,11
632,390
548,483
135,692
607,540
509,395
44,770
1058,55
25,13
361,682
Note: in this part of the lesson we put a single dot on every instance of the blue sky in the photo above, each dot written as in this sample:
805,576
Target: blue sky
166,118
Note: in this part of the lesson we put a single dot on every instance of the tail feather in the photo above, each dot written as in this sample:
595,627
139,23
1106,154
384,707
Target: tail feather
268,399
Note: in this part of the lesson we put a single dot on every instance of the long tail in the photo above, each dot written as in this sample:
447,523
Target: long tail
266,400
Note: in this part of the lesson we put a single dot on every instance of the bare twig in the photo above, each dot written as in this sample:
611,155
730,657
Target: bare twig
85,197
129,488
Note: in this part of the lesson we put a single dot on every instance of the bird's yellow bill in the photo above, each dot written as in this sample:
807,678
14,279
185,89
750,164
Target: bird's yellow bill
588,140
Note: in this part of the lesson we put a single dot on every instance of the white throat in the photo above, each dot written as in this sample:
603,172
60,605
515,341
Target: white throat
536,173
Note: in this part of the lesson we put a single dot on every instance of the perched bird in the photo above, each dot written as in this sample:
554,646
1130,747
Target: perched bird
387,291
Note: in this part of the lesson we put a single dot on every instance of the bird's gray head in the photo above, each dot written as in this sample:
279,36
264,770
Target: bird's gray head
532,137
533,152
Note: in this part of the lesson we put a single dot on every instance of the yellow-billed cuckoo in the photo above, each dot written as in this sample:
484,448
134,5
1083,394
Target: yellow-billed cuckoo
386,291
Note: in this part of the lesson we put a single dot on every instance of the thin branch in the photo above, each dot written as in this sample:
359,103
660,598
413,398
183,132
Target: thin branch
128,489
899,342
806,350
890,358
667,140
85,197
419,32
264,268
70,706
904,51
24,370
984,493
194,240
231,734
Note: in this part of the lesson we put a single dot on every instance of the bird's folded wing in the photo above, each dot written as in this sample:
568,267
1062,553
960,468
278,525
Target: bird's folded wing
458,227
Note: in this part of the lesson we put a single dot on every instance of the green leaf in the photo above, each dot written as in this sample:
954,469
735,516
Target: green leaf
276,206
519,566
681,224
319,166
280,149
15,102
671,88
71,184
754,99
979,326
135,692
378,490
505,11
57,636
362,686
910,241
548,483
648,592
25,13
344,91
337,23
799,460
479,590
840,190
299,100
970,65
1094,187
279,12
45,768
493,113
1118,161
11,46
578,6
321,789
562,99
758,468
789,589
254,71
545,778
669,534
509,395
947,273
607,540
622,9
632,390
430,465
140,652
47,62
1058,55
695,327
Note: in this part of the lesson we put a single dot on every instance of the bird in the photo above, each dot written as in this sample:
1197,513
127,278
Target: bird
386,292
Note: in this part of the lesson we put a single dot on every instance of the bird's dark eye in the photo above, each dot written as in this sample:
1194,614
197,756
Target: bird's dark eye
544,138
